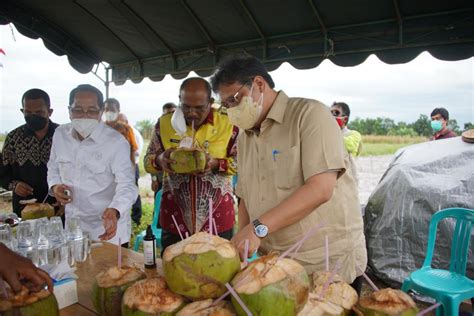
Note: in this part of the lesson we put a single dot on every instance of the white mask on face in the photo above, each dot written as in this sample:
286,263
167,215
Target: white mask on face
111,116
85,126
246,114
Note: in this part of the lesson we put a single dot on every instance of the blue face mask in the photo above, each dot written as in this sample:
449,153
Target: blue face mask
436,125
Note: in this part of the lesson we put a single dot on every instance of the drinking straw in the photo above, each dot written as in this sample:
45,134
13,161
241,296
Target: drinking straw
246,252
210,216
215,226
192,127
186,234
308,234
296,251
326,252
237,298
44,200
429,309
3,289
119,259
177,226
337,266
372,284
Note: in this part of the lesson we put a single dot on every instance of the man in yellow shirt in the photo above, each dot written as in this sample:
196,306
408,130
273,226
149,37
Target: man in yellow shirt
293,172
186,197
352,139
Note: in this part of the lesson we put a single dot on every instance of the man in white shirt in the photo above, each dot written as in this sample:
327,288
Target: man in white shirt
91,161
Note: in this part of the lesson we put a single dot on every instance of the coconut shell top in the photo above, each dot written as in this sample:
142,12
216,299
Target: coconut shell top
317,307
25,298
387,301
205,308
188,160
338,292
151,296
37,210
200,243
118,277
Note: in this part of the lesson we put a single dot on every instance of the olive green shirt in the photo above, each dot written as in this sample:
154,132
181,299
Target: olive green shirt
298,139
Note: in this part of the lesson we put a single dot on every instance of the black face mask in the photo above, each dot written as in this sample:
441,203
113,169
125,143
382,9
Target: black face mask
35,122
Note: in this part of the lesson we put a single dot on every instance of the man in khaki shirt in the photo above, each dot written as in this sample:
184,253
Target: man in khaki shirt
293,172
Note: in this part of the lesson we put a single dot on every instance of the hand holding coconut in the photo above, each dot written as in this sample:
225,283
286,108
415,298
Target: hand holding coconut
164,161
246,233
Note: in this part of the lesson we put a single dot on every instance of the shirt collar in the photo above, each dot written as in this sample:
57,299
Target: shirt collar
95,136
277,111
210,117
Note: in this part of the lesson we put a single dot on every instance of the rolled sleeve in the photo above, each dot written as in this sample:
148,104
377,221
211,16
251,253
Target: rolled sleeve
322,146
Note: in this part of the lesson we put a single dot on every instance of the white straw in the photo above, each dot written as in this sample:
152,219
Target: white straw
429,309
237,298
246,252
210,216
326,251
177,226
186,234
372,284
215,226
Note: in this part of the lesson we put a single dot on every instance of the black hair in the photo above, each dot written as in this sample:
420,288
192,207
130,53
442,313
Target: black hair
169,105
113,101
204,81
34,94
442,111
344,107
241,69
87,88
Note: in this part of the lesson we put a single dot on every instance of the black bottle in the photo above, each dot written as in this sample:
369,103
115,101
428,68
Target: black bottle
149,248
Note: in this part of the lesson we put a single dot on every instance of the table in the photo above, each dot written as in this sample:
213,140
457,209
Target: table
102,256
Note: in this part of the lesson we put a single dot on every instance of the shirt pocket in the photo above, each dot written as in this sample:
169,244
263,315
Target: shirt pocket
288,173
66,170
97,173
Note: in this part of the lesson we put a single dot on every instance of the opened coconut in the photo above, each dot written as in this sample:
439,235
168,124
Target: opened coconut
37,210
199,266
150,297
207,308
109,287
188,160
26,303
387,302
272,286
322,307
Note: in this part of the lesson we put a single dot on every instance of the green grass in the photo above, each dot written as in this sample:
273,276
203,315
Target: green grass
142,154
373,145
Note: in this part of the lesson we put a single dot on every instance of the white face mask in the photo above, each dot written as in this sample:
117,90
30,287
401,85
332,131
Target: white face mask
246,114
111,116
85,126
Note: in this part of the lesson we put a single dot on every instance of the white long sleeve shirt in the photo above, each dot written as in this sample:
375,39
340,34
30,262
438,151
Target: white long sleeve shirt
139,141
100,174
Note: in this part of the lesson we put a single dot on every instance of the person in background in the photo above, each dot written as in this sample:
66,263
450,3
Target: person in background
439,124
294,172
187,197
26,151
157,179
17,271
137,206
90,171
352,139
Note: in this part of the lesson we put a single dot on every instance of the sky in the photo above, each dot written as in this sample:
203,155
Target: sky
372,89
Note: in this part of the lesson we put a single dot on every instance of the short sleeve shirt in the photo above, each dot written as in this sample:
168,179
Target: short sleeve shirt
298,139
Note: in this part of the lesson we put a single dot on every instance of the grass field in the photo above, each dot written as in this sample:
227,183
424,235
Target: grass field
374,145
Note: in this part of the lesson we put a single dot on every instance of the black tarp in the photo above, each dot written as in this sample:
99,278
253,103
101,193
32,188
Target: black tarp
152,38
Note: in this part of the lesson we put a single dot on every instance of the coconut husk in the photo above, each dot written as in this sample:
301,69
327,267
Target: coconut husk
207,308
468,136
37,210
387,302
26,302
188,160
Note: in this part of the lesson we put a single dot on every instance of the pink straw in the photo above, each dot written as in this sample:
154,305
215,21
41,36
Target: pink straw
210,216
308,234
177,226
186,234
119,259
215,226
237,298
429,309
246,252
326,251
337,266
372,284
296,251
3,289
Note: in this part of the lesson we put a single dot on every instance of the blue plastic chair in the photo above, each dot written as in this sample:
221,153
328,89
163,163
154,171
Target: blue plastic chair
154,224
449,287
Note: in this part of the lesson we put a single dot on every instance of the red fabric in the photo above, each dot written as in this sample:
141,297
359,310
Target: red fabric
446,133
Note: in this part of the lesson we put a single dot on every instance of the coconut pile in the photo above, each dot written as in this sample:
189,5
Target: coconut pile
118,276
29,303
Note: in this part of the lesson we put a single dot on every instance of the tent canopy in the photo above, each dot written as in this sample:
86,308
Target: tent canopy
143,38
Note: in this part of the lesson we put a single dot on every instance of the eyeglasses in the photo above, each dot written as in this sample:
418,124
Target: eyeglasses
92,113
233,100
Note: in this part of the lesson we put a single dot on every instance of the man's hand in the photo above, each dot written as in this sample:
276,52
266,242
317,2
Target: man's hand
164,161
18,271
239,241
211,163
109,219
60,195
23,189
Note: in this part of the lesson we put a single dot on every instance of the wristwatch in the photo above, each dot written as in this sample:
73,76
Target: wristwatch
260,229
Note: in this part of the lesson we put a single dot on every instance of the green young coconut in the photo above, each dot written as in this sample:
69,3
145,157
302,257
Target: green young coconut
199,266
387,302
37,210
109,287
40,303
188,160
150,297
272,287
206,308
